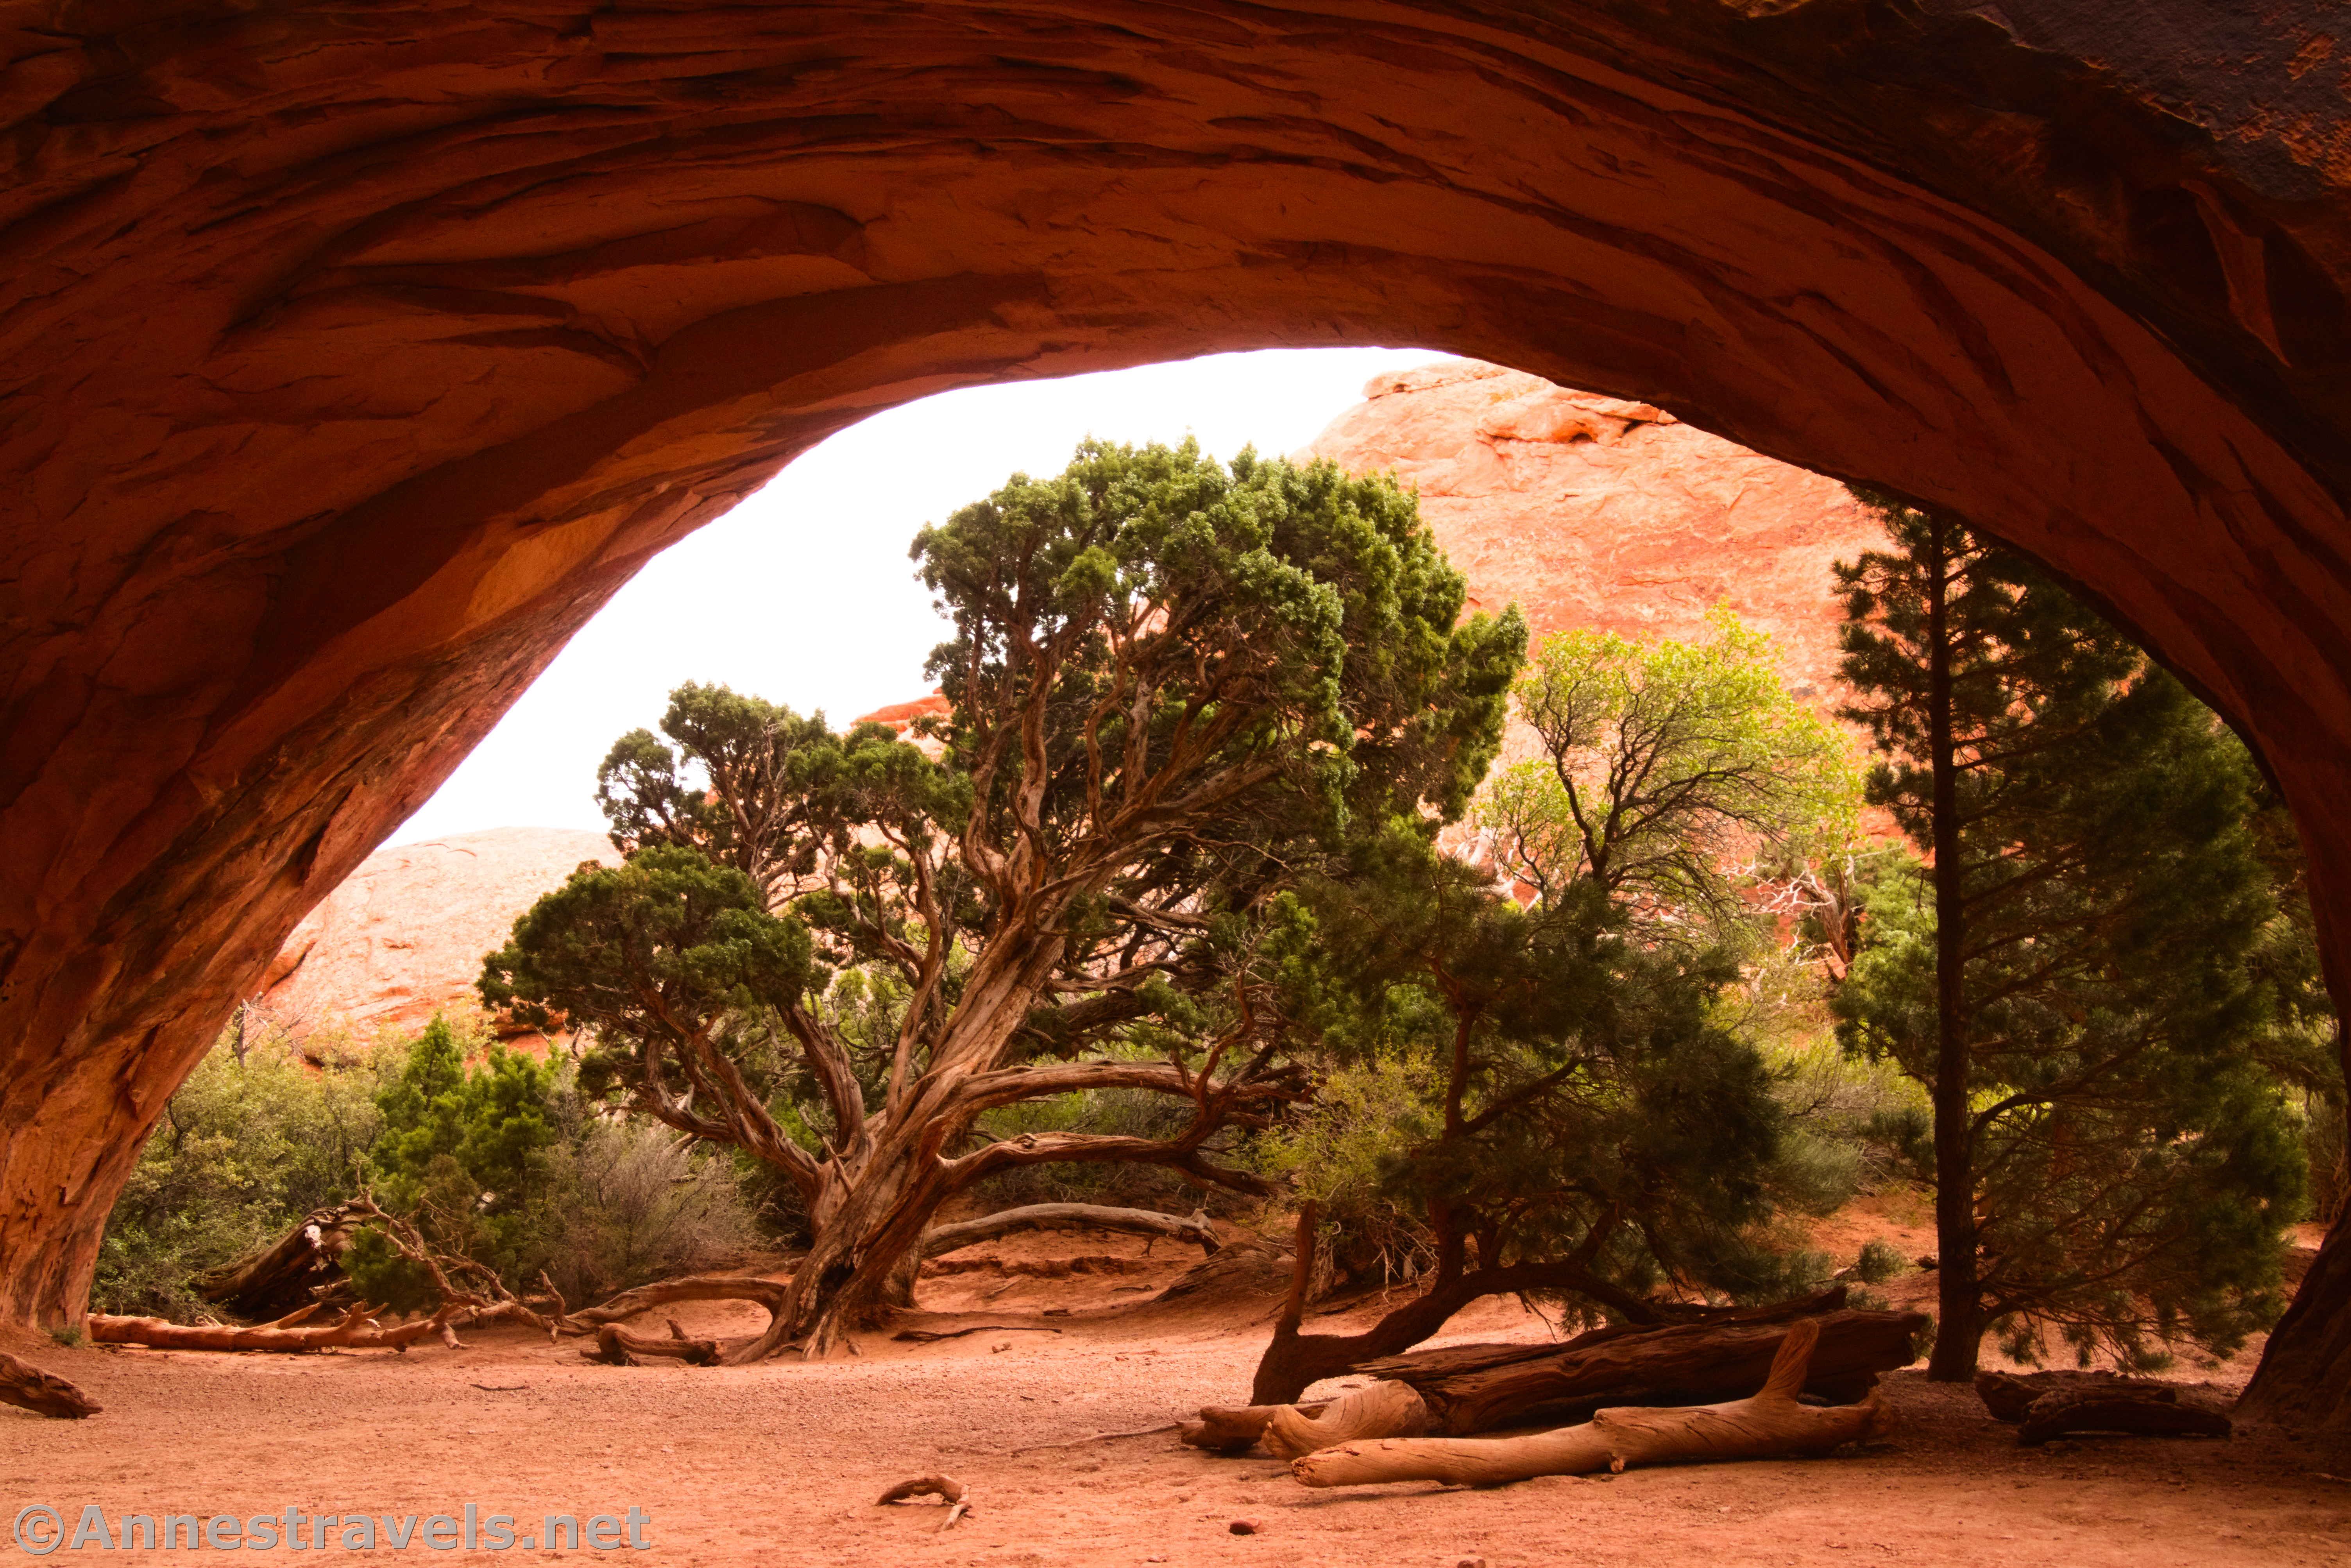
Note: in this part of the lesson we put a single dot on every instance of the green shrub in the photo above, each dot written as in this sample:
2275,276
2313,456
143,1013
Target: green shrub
1878,1261
252,1141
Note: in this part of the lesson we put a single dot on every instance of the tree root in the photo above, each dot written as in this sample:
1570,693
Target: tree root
1095,1437
1769,1423
1194,1228
947,1489
932,1336
28,1388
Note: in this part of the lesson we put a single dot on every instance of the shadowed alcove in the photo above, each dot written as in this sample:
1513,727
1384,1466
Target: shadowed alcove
353,356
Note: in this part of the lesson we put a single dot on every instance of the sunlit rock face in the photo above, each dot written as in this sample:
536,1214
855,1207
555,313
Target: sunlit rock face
402,938
350,356
1591,512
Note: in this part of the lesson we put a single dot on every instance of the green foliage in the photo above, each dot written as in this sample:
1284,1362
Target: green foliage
1530,1083
250,1144
1878,1261
2128,1151
1176,688
1667,765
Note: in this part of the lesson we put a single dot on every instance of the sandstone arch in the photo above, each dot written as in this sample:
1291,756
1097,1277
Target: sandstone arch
351,355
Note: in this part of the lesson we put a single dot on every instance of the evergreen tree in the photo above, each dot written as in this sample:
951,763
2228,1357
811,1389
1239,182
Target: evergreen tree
457,1153
1545,1102
2073,975
1175,688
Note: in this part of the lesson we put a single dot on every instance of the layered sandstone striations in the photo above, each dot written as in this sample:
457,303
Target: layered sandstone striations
402,938
350,356
1594,512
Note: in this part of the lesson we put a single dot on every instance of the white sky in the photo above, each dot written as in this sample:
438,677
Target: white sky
804,594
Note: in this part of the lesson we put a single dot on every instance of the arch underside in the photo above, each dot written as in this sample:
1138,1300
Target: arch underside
351,359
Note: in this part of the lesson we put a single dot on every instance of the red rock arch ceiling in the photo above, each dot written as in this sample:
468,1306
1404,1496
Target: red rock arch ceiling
352,354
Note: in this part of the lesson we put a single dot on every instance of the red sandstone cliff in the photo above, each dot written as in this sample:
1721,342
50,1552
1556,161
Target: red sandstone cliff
1594,512
403,936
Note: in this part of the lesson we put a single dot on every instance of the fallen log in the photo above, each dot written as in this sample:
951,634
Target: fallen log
1767,1424
1381,1409
1233,1429
1194,1228
357,1328
1483,1388
2009,1397
2059,1414
616,1346
292,1270
28,1388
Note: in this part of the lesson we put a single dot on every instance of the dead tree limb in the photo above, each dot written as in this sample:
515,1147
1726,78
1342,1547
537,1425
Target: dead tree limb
950,1490
1094,1438
1383,1409
1767,1424
1194,1228
1484,1387
616,1346
28,1388
290,1270
932,1336
355,1330
2009,1396
2059,1414
1234,1429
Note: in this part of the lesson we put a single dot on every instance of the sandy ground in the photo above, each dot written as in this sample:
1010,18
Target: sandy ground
779,1464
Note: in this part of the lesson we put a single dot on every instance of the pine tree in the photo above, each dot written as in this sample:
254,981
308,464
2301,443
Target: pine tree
2073,974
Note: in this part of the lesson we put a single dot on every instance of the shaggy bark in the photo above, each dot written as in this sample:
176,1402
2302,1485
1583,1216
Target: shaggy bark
2057,1413
1480,1388
1770,1423
288,1273
28,1388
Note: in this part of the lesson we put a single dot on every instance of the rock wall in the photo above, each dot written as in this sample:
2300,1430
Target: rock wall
403,936
1594,512
351,356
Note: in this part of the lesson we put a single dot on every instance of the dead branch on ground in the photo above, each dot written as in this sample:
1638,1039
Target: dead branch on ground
950,1490
1767,1424
1194,1228
932,1336
28,1388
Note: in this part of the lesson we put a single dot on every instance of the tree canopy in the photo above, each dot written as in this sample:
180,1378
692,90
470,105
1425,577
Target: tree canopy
1175,688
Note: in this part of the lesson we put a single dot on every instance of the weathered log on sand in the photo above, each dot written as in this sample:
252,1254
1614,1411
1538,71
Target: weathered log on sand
947,1489
1194,1228
616,1346
287,1273
43,1393
1379,1410
2058,1414
1485,1387
357,1328
1236,1429
2009,1396
1767,1424
768,1293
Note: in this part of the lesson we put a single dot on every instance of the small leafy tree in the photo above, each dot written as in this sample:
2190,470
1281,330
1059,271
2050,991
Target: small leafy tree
1666,767
1545,1102
2073,975
1175,688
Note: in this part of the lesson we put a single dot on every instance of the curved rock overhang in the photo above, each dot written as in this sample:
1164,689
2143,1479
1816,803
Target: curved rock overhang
351,355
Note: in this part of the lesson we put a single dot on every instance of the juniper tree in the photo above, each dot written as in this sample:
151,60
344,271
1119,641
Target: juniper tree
2073,974
1544,1100
1174,688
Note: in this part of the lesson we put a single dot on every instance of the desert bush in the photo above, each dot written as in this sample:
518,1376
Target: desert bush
628,1201
252,1141
1878,1261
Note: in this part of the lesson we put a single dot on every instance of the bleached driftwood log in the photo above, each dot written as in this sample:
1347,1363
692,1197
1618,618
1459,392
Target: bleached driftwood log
1770,1423
1376,1410
43,1393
